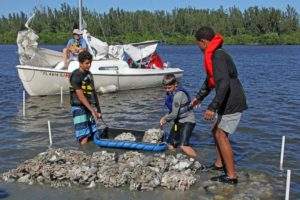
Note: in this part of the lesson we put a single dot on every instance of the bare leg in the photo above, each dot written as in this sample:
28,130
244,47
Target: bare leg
225,151
218,161
189,151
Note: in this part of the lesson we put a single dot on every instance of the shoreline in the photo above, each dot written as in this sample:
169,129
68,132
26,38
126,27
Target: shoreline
60,38
183,44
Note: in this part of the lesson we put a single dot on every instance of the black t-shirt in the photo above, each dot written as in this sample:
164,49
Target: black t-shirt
82,80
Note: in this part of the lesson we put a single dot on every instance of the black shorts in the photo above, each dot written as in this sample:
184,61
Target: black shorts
181,136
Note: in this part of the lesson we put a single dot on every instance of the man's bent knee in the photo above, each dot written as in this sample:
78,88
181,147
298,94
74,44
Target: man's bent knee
219,134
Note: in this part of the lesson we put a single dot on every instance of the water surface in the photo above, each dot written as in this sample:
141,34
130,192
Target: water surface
270,76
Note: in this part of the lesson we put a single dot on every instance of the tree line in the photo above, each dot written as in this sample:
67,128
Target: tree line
253,25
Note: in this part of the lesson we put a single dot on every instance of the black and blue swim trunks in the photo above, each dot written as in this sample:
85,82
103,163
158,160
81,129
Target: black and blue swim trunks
84,123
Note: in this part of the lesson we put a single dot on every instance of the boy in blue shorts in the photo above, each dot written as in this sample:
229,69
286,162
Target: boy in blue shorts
83,98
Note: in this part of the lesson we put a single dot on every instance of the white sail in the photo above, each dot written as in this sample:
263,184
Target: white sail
96,47
31,54
138,53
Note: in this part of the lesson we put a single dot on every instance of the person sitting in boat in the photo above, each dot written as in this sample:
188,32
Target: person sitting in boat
132,63
180,112
137,64
75,45
83,98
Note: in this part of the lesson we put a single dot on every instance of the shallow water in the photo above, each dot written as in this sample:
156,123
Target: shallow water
270,76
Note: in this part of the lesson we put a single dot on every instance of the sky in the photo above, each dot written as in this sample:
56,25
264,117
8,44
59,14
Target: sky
10,6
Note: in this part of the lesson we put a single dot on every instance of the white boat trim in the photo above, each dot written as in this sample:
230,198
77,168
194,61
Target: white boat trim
39,81
158,72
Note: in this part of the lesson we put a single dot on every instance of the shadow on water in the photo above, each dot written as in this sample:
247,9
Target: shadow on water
274,111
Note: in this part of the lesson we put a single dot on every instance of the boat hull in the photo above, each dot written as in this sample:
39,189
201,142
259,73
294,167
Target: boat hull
39,81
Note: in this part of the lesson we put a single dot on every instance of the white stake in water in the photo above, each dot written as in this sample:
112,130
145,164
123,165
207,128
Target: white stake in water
50,135
282,153
61,96
288,183
24,103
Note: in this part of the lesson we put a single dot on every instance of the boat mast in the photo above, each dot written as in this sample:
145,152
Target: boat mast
80,14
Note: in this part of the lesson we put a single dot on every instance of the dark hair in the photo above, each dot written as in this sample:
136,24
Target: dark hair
169,79
205,32
84,55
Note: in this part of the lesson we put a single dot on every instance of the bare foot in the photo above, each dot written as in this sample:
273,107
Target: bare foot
84,141
189,151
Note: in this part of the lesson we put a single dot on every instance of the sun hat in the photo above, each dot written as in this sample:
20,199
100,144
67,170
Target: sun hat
77,32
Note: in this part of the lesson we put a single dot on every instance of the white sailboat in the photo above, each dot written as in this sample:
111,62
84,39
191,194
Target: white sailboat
41,70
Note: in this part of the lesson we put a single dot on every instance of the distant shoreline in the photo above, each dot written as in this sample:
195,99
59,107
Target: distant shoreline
175,39
254,25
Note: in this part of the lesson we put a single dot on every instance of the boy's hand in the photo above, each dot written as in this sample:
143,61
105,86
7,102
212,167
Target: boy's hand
96,115
162,121
209,115
195,103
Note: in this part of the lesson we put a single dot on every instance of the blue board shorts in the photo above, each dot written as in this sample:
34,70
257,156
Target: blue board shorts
84,123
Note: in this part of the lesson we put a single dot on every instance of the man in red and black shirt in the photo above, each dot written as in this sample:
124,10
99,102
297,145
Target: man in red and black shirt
229,101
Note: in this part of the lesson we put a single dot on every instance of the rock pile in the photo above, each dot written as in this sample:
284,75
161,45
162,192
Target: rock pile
125,136
59,168
153,135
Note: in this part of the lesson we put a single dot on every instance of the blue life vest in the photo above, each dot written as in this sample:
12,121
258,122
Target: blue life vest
169,101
